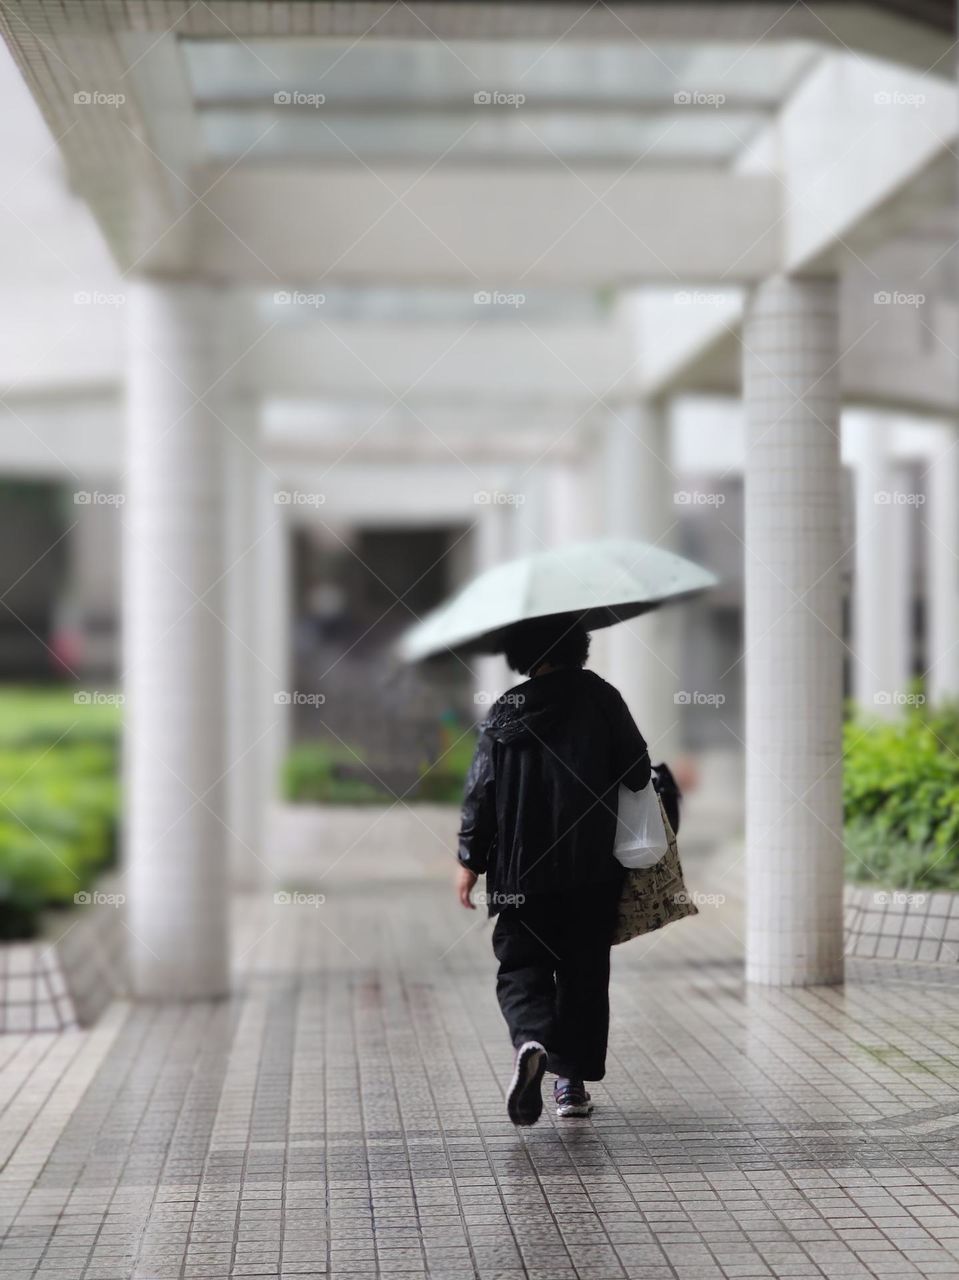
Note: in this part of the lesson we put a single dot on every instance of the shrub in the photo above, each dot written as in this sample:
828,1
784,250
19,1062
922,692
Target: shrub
326,773
901,800
59,801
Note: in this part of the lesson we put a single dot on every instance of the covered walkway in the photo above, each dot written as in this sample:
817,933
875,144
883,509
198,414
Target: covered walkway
342,1113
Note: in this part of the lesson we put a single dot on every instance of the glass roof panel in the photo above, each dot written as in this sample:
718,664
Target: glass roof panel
552,138
324,100
434,72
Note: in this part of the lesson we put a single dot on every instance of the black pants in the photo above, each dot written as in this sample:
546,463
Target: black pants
553,980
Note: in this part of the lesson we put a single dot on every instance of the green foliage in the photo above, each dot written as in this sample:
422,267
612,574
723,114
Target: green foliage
59,801
901,800
325,773
317,773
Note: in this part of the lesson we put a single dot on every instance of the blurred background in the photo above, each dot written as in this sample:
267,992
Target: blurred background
306,328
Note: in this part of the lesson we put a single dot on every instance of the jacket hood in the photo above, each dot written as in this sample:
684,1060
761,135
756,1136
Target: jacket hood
531,709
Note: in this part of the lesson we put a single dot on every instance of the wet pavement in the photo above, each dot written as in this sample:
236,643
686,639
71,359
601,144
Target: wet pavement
343,1114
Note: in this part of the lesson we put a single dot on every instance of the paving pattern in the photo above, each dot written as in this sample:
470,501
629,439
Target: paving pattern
342,1116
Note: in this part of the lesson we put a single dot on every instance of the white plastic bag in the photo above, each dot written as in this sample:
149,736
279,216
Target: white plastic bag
640,832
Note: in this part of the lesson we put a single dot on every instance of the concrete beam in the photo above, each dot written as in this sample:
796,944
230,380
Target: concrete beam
504,229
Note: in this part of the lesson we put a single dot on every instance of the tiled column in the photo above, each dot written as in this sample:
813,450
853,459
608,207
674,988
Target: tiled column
175,648
882,625
492,539
274,639
941,522
793,647
643,654
244,800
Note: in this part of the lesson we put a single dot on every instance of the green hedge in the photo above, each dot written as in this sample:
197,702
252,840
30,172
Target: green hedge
327,773
59,801
901,800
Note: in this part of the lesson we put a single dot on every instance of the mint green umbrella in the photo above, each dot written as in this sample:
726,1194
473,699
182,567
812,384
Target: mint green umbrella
599,583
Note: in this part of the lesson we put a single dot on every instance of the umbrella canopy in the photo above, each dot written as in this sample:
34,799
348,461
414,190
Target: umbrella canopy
598,583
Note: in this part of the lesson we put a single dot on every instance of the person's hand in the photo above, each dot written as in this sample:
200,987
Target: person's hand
465,879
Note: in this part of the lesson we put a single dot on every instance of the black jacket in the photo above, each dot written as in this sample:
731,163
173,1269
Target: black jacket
539,814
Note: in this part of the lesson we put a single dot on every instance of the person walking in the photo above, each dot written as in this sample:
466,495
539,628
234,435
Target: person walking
539,820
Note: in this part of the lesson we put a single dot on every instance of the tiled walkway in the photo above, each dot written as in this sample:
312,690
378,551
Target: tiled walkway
343,1117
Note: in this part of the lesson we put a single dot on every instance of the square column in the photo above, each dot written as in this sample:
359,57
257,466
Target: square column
176,846
882,595
941,527
793,645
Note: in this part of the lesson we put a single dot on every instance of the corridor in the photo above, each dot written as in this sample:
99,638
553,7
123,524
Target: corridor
342,1116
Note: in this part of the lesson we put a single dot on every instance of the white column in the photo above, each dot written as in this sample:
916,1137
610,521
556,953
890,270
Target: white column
882,621
531,522
244,801
792,641
274,590
643,654
176,846
492,545
941,521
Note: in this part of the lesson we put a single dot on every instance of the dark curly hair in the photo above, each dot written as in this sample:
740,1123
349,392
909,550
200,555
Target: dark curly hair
559,641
